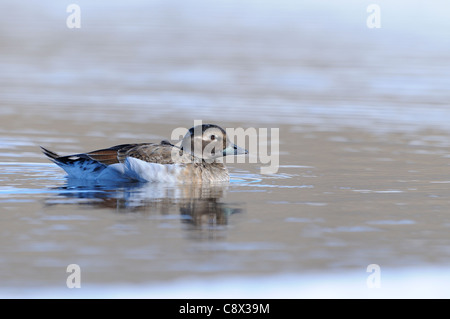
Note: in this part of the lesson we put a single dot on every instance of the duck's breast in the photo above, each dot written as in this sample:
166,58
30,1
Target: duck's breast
215,172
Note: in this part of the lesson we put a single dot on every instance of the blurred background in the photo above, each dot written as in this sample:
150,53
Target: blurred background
257,61
363,114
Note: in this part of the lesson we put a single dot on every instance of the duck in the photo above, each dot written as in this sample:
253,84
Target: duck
197,159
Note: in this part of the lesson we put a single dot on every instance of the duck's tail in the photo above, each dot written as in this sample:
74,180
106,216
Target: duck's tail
50,154
78,165
63,160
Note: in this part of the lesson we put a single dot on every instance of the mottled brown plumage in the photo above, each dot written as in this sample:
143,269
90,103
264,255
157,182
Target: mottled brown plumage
152,153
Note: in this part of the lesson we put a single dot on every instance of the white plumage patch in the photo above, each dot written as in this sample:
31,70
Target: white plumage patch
132,169
151,172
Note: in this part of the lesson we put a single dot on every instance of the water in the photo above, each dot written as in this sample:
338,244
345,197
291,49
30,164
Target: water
363,149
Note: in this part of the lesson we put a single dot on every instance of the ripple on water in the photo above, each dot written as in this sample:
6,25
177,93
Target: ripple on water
28,181
23,182
299,203
368,191
258,180
238,178
392,222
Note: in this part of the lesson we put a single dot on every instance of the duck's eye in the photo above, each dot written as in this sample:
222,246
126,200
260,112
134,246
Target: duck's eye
212,137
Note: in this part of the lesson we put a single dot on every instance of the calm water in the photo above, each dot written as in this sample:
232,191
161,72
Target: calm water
364,156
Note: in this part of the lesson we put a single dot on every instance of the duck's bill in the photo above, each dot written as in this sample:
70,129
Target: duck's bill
234,150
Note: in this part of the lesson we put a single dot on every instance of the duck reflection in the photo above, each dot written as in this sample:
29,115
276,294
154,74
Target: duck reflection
197,205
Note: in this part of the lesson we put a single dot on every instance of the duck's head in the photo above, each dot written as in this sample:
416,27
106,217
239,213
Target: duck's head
208,142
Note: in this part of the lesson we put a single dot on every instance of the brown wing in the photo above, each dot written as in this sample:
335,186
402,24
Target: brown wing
109,156
149,152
